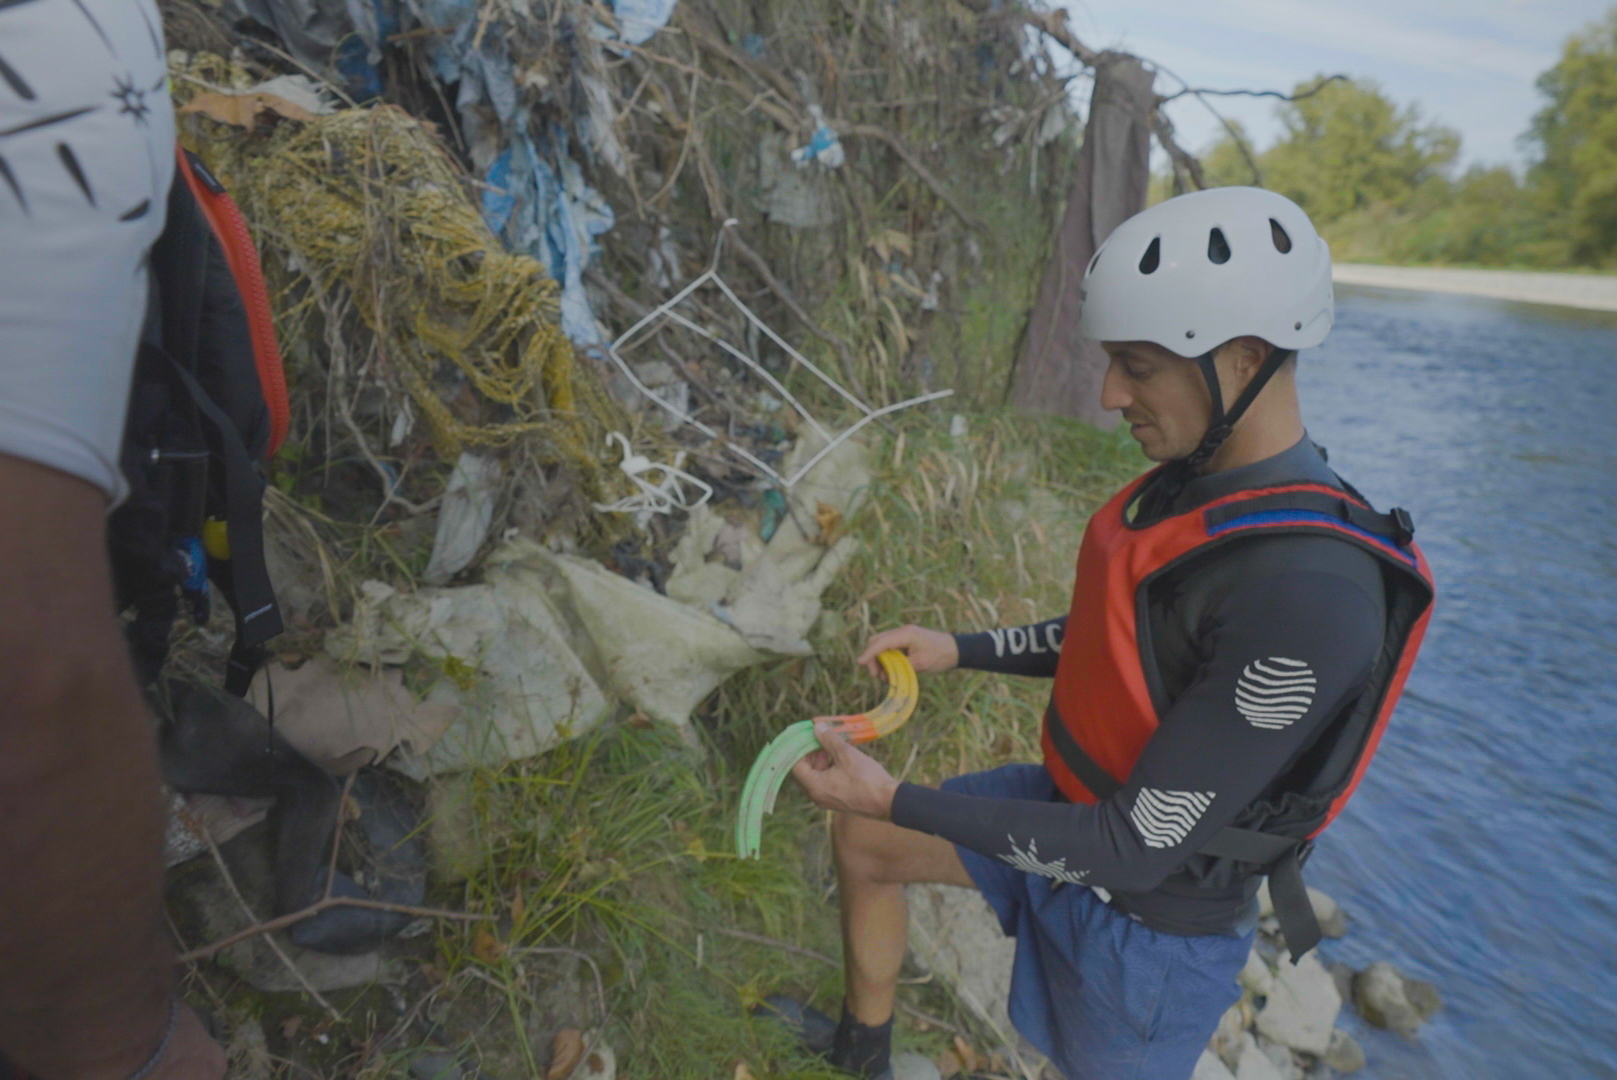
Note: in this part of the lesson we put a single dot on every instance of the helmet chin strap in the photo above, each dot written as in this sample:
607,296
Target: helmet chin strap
1223,423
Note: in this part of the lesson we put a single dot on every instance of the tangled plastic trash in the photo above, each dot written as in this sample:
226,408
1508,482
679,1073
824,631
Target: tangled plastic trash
658,497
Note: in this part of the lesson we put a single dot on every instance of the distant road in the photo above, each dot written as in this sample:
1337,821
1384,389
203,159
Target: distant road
1595,292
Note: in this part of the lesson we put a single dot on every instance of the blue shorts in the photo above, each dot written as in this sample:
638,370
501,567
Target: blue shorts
1102,996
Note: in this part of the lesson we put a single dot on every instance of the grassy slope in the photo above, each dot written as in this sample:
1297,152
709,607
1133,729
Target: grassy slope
621,844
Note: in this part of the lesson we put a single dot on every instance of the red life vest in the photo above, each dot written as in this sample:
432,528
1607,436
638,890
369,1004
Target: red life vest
1102,711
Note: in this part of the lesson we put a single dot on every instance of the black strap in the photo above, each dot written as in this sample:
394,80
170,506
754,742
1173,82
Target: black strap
1249,846
1395,525
1293,909
1075,757
1283,858
243,578
1222,423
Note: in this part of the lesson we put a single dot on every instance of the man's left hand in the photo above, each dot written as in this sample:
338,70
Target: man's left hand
842,777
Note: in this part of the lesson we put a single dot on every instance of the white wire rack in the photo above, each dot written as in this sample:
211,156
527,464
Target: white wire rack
665,310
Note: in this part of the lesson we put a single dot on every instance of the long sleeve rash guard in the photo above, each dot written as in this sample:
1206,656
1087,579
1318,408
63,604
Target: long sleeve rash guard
1277,608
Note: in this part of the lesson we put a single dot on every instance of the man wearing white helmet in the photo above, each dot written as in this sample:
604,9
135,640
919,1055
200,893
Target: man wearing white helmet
1242,624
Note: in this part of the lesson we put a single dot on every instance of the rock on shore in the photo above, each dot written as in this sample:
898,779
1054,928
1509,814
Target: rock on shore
1283,1027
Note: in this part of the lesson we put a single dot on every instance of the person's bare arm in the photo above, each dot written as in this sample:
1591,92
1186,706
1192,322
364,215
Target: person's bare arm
86,963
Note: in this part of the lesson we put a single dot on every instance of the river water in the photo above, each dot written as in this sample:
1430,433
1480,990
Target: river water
1480,852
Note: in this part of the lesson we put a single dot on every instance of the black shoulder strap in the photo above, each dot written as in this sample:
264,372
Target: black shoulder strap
243,578
1395,525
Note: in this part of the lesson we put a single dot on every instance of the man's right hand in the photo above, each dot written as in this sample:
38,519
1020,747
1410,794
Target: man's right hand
928,650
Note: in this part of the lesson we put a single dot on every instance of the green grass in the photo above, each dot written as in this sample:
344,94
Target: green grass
619,845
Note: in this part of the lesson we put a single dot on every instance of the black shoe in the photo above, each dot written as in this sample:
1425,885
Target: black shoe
813,1029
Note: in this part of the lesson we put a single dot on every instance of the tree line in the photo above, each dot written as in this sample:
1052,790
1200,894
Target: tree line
1381,182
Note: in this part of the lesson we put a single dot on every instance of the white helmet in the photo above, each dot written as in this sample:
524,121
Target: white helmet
1198,270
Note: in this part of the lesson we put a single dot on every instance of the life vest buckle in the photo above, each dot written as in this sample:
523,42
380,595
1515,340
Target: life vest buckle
1403,526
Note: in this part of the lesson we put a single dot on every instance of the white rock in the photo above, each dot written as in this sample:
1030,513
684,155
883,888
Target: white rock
955,936
1302,1007
1282,1059
599,1064
1209,1067
1254,1064
1388,1000
911,1066
1231,1034
1256,976
1345,1054
1332,922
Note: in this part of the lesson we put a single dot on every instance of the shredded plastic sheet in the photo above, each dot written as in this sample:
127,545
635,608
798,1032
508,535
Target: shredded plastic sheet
540,205
537,200
823,146
638,20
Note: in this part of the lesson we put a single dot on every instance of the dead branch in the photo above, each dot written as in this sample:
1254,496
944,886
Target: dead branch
241,901
705,37
1183,162
281,922
761,268
1233,131
1310,92
873,131
1054,25
615,294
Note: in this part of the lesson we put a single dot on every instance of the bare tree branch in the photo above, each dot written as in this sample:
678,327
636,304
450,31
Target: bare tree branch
872,131
1054,25
281,922
1234,132
1184,163
1310,92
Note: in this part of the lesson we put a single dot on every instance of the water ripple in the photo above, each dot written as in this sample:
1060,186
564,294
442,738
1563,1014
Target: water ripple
1479,852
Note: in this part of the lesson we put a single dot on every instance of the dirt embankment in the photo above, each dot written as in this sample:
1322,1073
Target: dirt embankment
1593,292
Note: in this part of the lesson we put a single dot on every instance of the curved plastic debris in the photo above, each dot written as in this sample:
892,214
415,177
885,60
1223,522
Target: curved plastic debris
797,741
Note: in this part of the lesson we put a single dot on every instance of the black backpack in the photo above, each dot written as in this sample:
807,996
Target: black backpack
207,408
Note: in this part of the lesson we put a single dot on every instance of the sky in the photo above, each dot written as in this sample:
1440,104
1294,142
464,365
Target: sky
1469,64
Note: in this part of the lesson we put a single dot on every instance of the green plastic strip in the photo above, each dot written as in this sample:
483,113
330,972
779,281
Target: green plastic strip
774,763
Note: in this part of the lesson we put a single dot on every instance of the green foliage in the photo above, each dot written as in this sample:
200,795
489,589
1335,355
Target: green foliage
1486,218
1576,136
1349,147
1376,178
1225,164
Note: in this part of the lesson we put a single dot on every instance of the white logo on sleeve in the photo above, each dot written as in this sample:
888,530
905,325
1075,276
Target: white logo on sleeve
1274,693
1165,818
1030,862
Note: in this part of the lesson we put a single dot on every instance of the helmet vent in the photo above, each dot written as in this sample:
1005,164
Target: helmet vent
1152,257
1218,248
1278,234
1094,259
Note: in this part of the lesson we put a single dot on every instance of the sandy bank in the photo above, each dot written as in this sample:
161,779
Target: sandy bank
1595,292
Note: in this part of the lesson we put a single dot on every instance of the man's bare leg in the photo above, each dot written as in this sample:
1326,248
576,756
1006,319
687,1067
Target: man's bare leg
875,860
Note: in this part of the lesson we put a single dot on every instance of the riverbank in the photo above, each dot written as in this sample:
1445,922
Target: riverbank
1592,292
